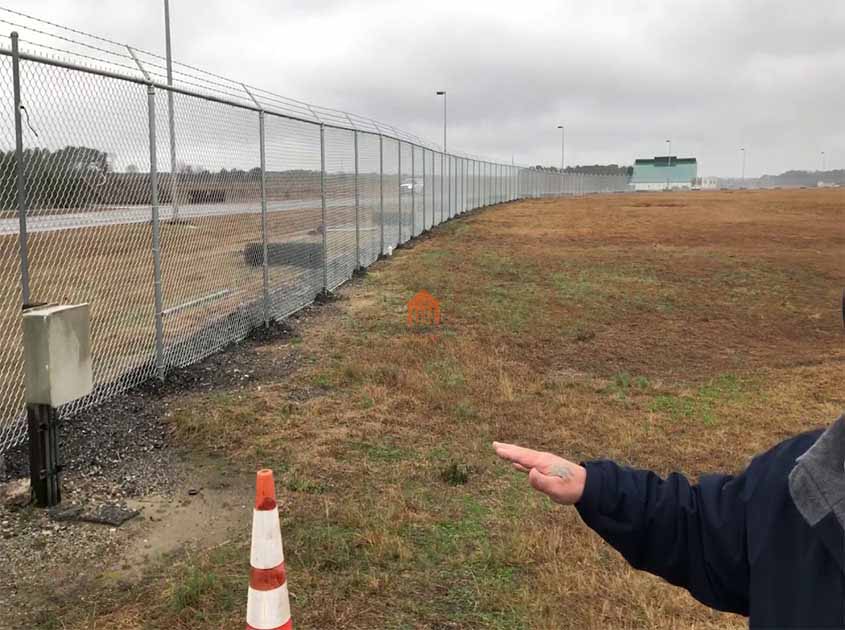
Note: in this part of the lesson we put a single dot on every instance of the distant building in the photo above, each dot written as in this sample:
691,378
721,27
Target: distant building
710,183
668,172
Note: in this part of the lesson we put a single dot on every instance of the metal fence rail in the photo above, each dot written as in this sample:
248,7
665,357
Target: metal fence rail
184,243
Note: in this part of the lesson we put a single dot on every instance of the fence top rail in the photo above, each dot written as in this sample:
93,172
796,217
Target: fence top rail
55,44
256,106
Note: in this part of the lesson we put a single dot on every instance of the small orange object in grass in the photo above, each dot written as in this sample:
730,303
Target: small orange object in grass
423,310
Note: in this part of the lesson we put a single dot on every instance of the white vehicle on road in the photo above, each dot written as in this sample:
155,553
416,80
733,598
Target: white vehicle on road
411,185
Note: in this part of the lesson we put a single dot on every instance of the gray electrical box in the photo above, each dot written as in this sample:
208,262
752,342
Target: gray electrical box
57,354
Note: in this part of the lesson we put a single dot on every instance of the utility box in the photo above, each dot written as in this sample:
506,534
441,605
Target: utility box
57,354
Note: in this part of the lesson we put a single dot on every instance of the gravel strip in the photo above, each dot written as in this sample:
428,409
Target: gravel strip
121,449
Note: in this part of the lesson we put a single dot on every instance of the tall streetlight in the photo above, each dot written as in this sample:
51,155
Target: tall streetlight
824,165
443,155
170,111
443,94
562,141
562,163
743,167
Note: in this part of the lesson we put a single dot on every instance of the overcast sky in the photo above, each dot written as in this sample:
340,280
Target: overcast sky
623,77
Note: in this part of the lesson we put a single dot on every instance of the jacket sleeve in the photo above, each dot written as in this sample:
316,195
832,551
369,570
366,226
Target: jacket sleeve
693,536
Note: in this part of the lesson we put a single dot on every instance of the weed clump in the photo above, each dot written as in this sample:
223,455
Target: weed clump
455,474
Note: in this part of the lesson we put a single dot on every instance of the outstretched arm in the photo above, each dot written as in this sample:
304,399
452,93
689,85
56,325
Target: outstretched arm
693,536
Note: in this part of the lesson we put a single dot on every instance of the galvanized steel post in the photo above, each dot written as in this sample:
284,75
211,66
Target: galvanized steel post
156,237
381,190
20,174
264,261
463,185
357,211
171,122
450,185
399,191
413,190
442,183
425,188
324,225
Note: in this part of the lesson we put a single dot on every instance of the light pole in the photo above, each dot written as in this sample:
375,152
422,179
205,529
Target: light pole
443,156
562,163
173,200
824,165
669,157
743,167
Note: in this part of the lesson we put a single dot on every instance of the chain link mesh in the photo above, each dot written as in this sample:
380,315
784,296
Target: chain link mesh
339,190
369,186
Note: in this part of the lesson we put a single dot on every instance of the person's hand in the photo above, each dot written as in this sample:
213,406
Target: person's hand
554,476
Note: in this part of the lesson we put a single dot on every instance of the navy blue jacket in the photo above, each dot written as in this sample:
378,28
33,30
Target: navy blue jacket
736,543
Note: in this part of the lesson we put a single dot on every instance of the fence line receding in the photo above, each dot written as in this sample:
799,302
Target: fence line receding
185,235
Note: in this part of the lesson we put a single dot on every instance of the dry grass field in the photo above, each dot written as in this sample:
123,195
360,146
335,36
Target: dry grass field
677,332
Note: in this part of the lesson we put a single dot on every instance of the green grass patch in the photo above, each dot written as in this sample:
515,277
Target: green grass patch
446,372
624,384
381,452
618,287
703,404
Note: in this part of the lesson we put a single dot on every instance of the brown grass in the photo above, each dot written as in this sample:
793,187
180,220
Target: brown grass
671,331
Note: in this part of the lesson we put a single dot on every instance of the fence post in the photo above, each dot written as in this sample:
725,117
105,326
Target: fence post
325,227
488,181
425,193
463,185
265,263
399,169
442,183
472,200
413,190
20,174
449,158
458,185
461,203
381,190
156,230
357,211
472,184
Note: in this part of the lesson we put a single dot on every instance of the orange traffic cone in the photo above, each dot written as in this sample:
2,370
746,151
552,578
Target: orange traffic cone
268,607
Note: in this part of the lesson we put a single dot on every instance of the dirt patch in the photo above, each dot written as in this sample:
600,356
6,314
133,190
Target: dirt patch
123,454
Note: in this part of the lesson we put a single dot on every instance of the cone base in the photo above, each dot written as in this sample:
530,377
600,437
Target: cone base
286,626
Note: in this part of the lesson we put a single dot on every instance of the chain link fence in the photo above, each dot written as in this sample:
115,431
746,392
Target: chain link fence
186,225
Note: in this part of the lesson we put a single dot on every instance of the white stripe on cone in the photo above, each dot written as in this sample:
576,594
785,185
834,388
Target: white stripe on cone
266,551
268,609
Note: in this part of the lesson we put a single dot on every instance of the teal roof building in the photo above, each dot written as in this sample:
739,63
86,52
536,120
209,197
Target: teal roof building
664,172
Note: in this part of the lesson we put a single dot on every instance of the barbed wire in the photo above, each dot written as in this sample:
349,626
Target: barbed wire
191,77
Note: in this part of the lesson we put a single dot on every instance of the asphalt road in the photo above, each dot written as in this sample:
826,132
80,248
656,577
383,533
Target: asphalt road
123,215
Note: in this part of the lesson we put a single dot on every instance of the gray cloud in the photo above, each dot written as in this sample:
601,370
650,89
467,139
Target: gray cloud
623,77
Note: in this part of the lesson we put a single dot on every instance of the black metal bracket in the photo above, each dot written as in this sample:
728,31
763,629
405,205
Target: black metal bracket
44,466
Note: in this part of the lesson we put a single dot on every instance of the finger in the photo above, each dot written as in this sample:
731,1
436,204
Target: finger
520,467
527,457
554,487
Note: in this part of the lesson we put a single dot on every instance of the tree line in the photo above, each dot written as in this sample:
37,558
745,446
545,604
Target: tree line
590,169
54,179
